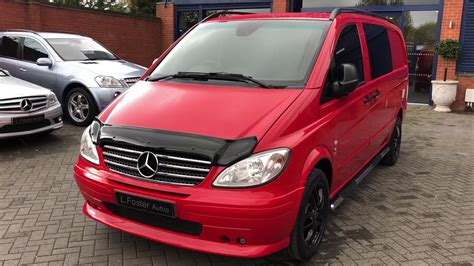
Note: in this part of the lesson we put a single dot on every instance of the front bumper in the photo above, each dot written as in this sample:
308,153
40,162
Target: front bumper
263,219
104,96
53,116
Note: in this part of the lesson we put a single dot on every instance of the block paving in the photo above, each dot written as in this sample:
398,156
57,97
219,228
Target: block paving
419,212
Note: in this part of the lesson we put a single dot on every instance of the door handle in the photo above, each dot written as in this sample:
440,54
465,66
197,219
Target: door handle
22,69
368,98
376,94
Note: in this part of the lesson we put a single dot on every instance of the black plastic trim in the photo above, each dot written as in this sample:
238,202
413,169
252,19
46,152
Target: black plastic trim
219,151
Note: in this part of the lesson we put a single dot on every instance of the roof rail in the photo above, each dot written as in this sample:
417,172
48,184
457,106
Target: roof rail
20,30
340,10
221,13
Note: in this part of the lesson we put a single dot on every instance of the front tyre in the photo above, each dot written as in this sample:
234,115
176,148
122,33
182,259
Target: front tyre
392,156
80,107
312,218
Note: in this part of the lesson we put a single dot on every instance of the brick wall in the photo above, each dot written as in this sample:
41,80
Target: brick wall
280,6
452,12
134,39
166,14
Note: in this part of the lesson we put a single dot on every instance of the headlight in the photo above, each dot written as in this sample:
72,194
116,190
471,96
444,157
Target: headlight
108,82
52,99
88,149
256,170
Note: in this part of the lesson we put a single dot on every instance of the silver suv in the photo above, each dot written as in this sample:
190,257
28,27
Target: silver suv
83,74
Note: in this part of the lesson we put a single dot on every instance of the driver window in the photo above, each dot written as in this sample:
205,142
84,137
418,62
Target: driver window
33,50
347,50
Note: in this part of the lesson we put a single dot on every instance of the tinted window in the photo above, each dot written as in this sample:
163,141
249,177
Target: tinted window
32,50
9,46
277,52
80,49
348,51
380,54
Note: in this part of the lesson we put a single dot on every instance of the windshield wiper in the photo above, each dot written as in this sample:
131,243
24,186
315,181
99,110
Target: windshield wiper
211,75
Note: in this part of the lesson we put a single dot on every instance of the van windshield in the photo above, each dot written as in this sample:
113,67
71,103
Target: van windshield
276,52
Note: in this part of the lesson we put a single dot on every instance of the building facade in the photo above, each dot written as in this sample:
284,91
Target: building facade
423,23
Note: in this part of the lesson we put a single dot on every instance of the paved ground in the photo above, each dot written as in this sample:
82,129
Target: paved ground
419,212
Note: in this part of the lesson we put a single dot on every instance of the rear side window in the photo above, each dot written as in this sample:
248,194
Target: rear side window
9,47
33,50
380,54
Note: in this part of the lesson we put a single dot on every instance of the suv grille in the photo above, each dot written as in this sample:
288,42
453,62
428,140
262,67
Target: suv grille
173,168
14,105
131,81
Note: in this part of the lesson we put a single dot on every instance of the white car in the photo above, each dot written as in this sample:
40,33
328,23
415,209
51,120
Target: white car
26,108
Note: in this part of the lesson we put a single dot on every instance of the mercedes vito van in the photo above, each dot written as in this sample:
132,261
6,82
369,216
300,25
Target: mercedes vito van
244,134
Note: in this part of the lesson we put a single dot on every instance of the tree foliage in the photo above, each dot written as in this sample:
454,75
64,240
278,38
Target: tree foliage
448,49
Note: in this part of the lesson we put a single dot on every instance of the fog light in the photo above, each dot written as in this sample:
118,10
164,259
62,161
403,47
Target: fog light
241,240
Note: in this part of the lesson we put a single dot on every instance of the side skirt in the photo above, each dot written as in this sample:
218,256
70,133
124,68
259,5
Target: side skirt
357,179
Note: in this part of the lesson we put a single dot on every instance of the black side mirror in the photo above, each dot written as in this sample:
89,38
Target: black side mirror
347,80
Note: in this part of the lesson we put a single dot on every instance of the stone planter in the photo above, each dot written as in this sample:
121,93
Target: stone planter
443,94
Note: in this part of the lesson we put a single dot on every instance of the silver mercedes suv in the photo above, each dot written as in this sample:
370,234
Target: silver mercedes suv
26,108
83,74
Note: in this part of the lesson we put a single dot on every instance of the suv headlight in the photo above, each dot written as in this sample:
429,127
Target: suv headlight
255,170
108,82
52,99
88,149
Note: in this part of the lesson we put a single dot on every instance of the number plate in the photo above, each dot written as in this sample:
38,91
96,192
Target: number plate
164,208
27,120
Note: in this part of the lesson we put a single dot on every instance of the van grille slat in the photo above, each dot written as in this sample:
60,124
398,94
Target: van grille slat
173,168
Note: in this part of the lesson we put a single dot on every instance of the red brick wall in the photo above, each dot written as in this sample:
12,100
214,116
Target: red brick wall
134,39
452,12
280,6
166,13
465,82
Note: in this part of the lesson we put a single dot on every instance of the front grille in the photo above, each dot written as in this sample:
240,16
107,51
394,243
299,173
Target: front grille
173,168
172,224
24,127
131,81
13,105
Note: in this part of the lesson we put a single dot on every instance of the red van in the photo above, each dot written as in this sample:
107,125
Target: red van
244,134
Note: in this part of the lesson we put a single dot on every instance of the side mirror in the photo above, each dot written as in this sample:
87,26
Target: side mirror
44,61
347,80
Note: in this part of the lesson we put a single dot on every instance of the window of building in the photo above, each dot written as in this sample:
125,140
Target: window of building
380,54
33,50
348,51
352,3
9,46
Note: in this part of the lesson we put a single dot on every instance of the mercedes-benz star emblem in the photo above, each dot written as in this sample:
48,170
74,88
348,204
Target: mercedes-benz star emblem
147,164
26,105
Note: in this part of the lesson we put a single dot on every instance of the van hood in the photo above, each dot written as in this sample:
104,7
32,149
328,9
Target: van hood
119,69
11,87
222,112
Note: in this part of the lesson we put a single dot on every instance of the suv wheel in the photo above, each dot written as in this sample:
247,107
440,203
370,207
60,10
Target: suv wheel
312,218
391,157
81,107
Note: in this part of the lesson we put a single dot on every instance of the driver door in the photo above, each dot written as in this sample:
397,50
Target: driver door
351,121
